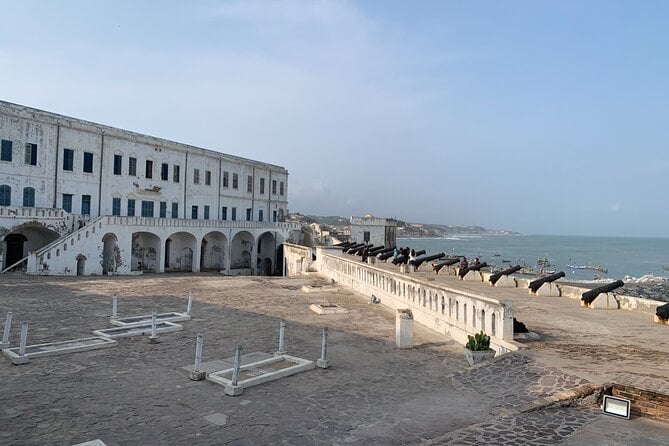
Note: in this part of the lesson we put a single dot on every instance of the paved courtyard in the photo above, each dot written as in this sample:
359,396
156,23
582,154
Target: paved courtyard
374,394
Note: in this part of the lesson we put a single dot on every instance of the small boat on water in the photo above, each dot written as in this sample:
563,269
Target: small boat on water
601,269
540,269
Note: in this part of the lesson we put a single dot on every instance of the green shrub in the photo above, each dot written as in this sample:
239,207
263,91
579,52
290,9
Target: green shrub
480,341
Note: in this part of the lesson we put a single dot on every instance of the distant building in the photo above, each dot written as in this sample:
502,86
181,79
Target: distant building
78,197
374,231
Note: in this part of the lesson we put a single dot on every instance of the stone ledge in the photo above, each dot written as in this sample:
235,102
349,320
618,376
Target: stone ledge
585,395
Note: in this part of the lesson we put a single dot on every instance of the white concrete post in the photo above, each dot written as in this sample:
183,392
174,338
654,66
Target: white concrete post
282,346
24,339
197,374
324,362
8,328
404,329
114,306
236,365
22,358
153,339
234,389
190,302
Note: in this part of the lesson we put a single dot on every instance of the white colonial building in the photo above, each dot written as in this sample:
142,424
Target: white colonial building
83,198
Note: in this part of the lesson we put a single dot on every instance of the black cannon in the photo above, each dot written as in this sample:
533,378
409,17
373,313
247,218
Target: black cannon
354,248
399,259
343,244
359,251
419,261
495,277
420,253
463,272
447,262
385,255
536,284
384,251
348,246
589,296
377,249
662,311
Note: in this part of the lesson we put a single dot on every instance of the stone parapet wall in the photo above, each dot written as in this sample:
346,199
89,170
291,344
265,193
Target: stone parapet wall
444,309
630,303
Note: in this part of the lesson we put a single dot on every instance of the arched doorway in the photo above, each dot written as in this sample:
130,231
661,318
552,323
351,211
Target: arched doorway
181,251
14,248
145,252
24,238
212,251
81,265
241,249
266,250
279,261
111,255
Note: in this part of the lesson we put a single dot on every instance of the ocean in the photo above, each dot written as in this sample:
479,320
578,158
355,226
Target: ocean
640,259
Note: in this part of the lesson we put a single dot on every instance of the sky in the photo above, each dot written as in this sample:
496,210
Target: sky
543,117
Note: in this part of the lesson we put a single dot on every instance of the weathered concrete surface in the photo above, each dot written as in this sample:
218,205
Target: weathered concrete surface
373,393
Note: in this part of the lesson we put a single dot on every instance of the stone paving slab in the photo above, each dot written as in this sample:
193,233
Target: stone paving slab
524,379
541,428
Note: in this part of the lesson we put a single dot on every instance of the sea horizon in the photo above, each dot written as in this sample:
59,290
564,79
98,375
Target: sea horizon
626,258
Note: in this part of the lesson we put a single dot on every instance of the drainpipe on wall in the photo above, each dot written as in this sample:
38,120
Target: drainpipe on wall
253,194
220,170
102,157
185,180
55,177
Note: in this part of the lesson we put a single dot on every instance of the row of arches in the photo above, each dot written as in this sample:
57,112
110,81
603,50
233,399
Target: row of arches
182,251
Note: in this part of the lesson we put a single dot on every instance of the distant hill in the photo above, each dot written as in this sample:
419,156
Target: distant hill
404,229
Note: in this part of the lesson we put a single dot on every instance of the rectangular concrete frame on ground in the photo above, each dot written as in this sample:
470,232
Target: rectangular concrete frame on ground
61,348
327,308
146,319
262,371
137,330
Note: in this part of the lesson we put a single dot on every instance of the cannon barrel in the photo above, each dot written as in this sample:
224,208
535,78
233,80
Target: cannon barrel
463,272
385,256
420,253
375,250
399,259
536,284
359,251
385,251
589,296
447,262
498,275
354,248
662,311
420,260
343,244
349,246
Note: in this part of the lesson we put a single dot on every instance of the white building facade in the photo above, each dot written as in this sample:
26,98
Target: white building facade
374,231
154,205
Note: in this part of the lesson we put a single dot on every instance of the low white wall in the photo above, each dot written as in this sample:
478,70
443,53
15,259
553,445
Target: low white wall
630,303
443,309
297,259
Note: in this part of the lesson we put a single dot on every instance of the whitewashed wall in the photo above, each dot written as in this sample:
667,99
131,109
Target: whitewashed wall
441,308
